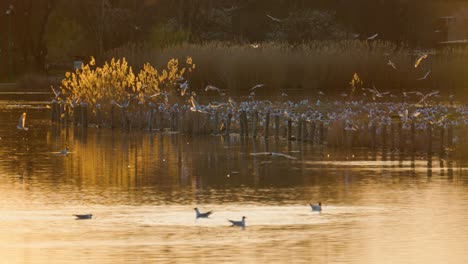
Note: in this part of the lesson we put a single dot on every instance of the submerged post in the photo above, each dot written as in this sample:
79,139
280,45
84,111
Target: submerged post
84,114
289,131
413,136
53,112
312,133
299,129
112,124
277,126
450,135
320,137
98,115
429,137
228,123
442,135
401,135
254,124
241,124
266,132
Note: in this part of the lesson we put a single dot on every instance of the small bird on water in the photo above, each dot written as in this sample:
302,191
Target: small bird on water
316,207
64,151
238,223
83,216
22,122
202,215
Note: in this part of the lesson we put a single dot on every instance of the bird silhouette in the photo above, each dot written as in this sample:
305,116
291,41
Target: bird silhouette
202,215
83,216
316,207
240,223
22,122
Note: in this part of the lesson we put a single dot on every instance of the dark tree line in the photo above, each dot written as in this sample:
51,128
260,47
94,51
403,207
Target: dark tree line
34,32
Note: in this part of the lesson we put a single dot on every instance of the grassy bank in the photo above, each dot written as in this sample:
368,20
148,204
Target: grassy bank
312,67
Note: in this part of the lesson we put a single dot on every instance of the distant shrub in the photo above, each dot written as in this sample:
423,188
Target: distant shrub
115,81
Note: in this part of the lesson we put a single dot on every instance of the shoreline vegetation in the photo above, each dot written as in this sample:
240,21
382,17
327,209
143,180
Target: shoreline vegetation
170,99
305,69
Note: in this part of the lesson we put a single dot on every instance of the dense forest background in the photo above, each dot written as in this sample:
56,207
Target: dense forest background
40,35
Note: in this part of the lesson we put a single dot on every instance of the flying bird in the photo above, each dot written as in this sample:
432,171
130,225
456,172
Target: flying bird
183,88
373,37
255,45
22,122
425,76
202,215
419,60
195,106
257,86
212,88
390,63
238,223
274,18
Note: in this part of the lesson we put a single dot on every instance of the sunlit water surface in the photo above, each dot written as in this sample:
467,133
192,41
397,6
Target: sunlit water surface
379,207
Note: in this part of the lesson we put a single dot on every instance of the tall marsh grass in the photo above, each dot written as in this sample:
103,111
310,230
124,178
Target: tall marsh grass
326,66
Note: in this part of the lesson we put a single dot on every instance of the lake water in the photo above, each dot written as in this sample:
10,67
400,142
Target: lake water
378,206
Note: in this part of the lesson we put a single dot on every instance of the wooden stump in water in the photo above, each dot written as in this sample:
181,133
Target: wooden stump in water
401,135
289,131
312,133
216,123
266,130
384,136
150,119
98,115
321,131
450,135
112,122
254,123
277,126
373,133
66,114
76,114
84,114
299,130
53,112
123,118
246,124
141,115
413,136
175,120
241,124
429,138
228,123
392,136
442,135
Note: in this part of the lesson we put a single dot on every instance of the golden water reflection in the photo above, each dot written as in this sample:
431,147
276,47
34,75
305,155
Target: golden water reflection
379,206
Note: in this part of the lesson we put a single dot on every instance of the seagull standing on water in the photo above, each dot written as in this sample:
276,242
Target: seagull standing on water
238,223
22,122
316,207
202,215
